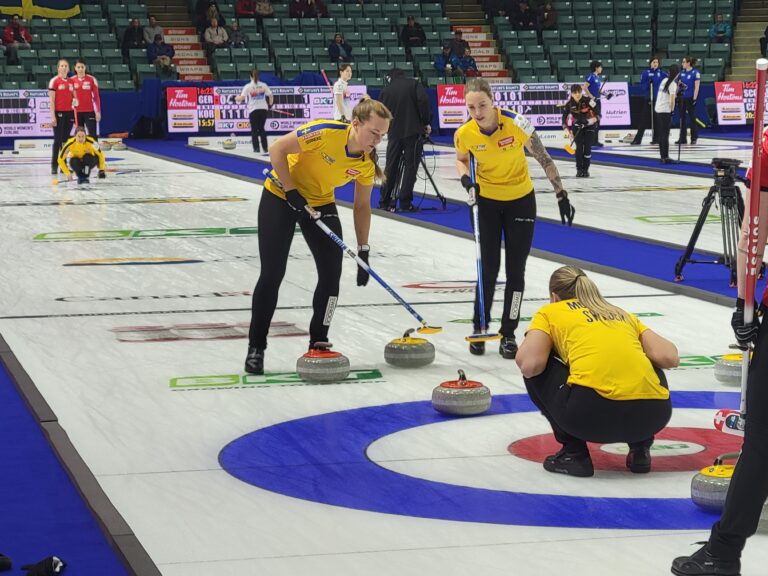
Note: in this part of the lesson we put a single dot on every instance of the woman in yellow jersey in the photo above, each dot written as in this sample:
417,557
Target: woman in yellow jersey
79,155
309,164
505,199
595,372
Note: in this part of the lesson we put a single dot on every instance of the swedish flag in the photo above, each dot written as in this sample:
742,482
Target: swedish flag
42,8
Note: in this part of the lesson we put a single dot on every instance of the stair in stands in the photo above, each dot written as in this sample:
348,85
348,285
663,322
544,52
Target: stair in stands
190,60
745,49
170,13
485,51
465,12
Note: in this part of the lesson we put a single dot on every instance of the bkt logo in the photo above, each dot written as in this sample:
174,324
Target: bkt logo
322,101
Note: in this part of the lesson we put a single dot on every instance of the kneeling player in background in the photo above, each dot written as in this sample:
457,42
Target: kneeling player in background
79,155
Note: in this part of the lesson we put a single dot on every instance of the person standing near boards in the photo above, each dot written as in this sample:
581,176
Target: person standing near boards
86,103
341,109
61,92
665,105
259,99
690,80
506,203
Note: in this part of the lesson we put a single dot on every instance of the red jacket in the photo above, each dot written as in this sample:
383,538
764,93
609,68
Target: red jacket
763,165
9,38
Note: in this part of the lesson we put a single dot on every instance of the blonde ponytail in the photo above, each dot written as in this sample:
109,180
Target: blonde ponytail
363,112
571,282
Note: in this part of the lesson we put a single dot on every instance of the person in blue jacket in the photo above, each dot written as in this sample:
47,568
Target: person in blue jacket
592,89
446,63
690,81
649,84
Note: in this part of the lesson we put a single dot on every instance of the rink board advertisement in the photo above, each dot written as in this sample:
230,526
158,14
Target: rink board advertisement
25,113
214,110
540,103
735,102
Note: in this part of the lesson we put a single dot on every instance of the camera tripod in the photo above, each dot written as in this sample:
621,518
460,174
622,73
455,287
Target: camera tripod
731,213
393,192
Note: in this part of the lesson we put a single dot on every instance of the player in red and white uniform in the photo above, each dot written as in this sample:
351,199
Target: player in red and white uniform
60,91
87,102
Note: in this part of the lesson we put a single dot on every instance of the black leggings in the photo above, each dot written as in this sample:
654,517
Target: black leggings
579,415
277,224
258,119
61,132
88,119
748,489
584,138
688,114
663,123
516,219
83,166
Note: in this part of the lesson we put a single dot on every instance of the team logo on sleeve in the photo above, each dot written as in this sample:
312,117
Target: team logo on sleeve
524,124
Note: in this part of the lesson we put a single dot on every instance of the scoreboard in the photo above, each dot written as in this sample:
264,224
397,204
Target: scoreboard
25,113
541,104
214,110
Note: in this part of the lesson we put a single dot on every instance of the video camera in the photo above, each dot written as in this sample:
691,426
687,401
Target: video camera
725,171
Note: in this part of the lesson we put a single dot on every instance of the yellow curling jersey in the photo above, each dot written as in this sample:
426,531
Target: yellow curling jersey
73,149
324,163
606,356
502,169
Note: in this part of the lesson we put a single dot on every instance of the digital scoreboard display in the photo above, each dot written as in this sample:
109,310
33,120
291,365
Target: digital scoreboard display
25,113
214,110
541,104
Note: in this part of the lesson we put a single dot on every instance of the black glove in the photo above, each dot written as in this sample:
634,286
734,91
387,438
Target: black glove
48,567
608,95
580,124
296,201
102,174
362,274
473,189
745,334
567,212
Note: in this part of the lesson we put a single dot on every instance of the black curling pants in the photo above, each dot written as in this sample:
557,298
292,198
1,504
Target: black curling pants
258,119
688,116
515,220
61,132
663,124
277,227
83,166
584,138
748,489
579,415
88,119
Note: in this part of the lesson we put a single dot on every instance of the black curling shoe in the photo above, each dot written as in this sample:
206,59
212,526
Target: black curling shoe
571,464
702,563
508,347
477,348
254,362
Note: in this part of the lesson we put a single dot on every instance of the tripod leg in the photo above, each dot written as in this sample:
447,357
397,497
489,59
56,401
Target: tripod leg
442,199
686,257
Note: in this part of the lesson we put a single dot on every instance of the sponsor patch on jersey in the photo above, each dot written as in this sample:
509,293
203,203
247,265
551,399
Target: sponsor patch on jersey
505,141
353,172
479,148
524,124
327,158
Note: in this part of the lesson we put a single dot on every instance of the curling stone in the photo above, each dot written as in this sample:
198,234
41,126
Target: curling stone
105,146
119,146
710,485
407,352
320,364
229,144
728,369
461,397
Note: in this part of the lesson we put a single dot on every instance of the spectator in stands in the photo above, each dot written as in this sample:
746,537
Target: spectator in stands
160,54
720,31
245,8
214,14
498,8
413,34
764,43
133,37
264,10
298,9
237,38
467,64
15,38
523,19
547,17
458,44
152,30
201,13
340,50
316,9
215,37
446,62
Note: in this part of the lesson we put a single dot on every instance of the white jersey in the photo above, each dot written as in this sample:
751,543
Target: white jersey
256,94
664,99
340,88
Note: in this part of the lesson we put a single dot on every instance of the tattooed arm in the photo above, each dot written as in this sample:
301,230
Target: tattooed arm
538,151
